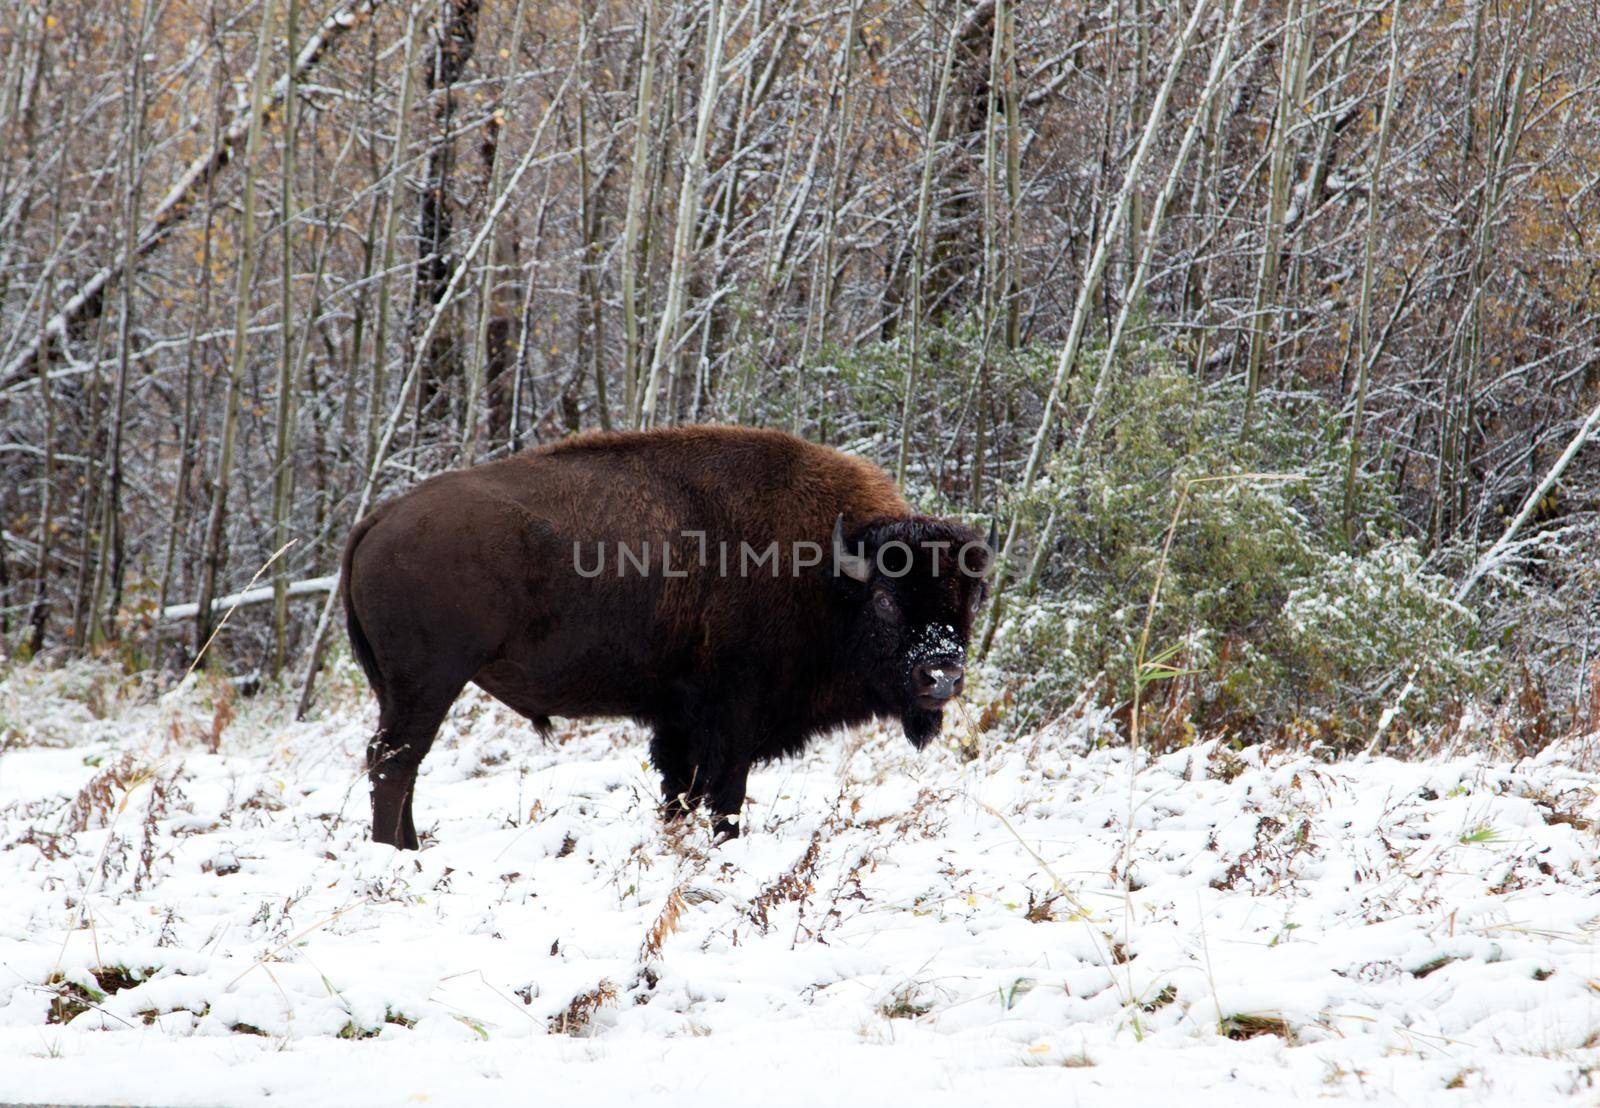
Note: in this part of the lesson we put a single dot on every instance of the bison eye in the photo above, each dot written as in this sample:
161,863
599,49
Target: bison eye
884,604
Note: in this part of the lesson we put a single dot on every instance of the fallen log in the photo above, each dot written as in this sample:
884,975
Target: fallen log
311,586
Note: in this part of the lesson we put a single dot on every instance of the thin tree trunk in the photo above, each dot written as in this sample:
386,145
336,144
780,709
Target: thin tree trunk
993,282
1493,556
1364,352
1013,180
919,246
830,210
1438,515
87,518
454,42
217,521
362,310
993,230
397,160
630,230
590,334
1513,118
1135,224
1204,204
188,428
666,343
111,564
5,590
1303,264
39,613
283,447
487,301
1295,46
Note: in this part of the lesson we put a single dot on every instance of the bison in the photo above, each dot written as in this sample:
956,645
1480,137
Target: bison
735,590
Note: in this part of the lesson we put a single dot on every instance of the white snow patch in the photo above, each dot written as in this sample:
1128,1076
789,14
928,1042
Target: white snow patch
1397,933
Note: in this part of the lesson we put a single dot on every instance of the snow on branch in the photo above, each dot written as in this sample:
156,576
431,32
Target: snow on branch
311,586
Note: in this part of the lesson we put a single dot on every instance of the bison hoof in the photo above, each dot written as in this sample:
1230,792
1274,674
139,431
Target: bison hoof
726,827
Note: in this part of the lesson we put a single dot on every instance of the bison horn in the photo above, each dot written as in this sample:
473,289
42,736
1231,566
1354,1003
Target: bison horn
994,537
851,565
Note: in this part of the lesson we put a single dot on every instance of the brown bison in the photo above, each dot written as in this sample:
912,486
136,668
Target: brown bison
735,590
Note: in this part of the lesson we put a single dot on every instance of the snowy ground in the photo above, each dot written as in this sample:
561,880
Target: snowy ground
183,925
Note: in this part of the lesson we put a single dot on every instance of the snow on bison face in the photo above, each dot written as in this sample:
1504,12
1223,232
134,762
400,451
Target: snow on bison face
916,585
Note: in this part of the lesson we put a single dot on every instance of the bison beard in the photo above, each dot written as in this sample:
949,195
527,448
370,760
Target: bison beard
487,575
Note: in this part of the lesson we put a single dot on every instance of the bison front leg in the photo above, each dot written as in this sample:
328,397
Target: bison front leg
726,796
682,786
702,766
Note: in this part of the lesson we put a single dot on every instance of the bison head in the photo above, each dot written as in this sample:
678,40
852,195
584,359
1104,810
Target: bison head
913,587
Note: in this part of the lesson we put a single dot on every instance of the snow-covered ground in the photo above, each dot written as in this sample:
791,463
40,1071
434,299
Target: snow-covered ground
190,914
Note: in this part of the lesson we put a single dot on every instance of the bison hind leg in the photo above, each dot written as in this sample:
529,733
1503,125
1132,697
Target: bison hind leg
406,729
392,774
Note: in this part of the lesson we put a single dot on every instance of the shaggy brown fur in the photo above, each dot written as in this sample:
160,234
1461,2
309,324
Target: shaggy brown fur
480,575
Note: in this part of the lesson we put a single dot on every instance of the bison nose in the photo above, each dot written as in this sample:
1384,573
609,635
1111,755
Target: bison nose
939,680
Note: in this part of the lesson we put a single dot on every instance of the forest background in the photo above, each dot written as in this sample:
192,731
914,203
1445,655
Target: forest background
1266,329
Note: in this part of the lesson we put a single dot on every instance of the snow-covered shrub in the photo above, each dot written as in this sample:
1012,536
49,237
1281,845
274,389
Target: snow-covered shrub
1269,619
1370,618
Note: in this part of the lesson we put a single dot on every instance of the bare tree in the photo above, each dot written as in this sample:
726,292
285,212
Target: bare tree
948,237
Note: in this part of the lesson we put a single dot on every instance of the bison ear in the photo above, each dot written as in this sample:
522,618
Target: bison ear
851,565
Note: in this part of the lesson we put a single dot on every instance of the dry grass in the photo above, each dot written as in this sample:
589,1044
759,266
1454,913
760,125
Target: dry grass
1247,1025
665,924
73,997
796,884
910,1000
581,1010
104,794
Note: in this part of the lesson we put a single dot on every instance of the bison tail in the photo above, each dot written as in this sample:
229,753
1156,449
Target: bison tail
360,645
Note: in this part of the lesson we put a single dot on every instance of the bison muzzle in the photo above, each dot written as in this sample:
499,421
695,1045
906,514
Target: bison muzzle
737,591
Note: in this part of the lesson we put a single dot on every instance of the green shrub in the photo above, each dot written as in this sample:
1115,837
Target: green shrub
1269,620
